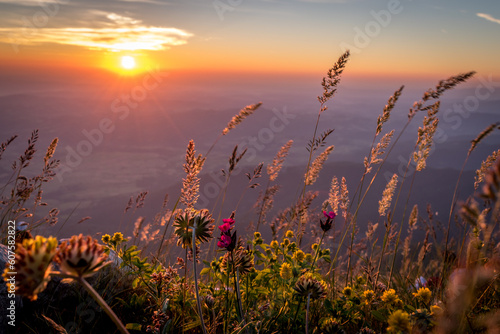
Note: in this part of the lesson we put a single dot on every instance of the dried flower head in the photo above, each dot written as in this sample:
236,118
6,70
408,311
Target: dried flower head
307,285
31,267
80,256
200,221
191,184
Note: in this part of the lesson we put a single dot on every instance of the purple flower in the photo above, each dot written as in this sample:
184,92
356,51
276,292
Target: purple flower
225,241
225,227
329,215
229,221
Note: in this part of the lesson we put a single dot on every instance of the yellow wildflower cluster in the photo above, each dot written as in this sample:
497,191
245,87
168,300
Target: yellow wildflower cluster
391,298
423,294
399,322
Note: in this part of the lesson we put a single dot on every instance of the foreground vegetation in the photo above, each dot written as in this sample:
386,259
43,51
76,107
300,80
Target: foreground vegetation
315,274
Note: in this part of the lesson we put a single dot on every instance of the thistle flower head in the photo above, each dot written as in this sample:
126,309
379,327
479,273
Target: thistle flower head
199,221
80,256
32,266
307,285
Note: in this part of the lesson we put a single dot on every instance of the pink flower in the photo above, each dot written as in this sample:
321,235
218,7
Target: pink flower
228,221
224,241
225,227
329,215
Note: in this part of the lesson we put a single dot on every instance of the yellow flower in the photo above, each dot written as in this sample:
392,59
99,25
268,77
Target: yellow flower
423,294
289,234
347,291
286,242
117,237
390,297
299,255
286,271
32,265
81,256
399,321
274,244
368,295
308,257
106,238
257,235
314,246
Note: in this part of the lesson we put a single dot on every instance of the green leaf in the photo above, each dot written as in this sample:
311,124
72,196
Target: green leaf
205,271
379,315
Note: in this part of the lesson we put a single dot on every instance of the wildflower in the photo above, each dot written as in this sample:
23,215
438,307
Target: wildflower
389,297
399,321
117,237
229,221
326,251
368,296
32,265
225,227
81,256
307,285
289,234
184,225
308,257
299,255
274,244
329,215
327,225
347,291
224,241
286,271
106,238
331,325
423,294
314,246
286,242
293,246
257,235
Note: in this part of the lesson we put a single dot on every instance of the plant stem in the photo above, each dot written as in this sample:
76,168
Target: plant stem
198,302
103,305
307,313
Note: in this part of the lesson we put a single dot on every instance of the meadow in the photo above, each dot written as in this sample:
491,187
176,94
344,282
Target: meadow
315,273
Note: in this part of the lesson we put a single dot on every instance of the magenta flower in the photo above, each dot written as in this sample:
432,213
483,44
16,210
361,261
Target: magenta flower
329,215
229,221
224,241
225,227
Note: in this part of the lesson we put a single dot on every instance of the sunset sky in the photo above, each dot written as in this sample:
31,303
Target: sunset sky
390,37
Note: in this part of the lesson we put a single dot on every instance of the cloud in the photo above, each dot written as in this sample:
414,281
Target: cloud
109,31
488,17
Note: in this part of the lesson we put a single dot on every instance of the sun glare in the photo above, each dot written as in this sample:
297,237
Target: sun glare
128,62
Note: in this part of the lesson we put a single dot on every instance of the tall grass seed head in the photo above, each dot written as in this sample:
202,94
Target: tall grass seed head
80,256
32,265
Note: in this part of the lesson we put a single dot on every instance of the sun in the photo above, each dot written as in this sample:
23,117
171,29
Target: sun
128,62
